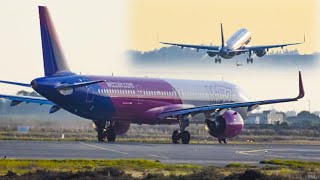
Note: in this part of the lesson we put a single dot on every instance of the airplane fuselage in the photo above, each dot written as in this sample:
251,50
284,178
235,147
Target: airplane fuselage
238,40
135,100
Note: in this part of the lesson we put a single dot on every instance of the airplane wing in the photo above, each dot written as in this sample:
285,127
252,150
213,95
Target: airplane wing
252,48
211,108
15,100
211,48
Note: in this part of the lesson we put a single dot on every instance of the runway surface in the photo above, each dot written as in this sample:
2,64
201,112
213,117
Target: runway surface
213,154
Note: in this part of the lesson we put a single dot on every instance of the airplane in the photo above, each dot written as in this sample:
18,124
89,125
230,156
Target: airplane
237,44
113,103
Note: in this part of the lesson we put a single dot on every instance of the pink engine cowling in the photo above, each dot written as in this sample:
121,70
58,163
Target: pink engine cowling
121,127
229,125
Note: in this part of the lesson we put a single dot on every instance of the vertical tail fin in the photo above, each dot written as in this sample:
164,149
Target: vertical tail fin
222,36
53,57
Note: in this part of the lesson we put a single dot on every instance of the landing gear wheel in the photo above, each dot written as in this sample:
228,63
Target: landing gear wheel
249,60
218,60
100,128
111,135
225,141
175,137
185,137
101,136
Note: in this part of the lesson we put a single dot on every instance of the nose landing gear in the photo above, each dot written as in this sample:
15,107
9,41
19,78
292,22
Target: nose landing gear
218,60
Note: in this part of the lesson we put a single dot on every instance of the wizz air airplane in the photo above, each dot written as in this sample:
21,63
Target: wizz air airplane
237,44
113,103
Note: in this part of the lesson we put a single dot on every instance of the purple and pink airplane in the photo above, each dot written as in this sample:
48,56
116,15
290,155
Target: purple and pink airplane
113,103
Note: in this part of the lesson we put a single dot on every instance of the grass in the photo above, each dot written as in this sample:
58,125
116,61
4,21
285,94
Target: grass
131,165
240,165
139,169
292,163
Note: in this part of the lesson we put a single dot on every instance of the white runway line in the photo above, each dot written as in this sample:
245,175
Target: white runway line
98,147
163,157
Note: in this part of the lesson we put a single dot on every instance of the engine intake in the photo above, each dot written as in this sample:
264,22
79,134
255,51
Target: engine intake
260,52
211,54
228,125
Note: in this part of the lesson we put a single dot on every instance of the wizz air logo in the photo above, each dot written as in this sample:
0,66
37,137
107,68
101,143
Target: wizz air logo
120,85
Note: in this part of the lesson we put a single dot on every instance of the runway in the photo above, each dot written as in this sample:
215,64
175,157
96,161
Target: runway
211,154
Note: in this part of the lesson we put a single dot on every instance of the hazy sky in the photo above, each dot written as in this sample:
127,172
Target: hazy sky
94,35
198,22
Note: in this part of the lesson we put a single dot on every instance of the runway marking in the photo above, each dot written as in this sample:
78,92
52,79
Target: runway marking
98,147
158,156
251,151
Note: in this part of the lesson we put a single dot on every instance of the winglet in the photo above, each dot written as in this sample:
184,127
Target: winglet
301,89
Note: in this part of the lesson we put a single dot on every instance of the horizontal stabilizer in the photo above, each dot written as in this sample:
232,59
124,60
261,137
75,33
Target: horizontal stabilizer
16,83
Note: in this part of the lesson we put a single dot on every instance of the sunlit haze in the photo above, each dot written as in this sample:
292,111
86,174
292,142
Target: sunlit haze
95,35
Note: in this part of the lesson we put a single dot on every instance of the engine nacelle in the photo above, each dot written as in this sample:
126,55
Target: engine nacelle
121,127
211,54
260,52
229,125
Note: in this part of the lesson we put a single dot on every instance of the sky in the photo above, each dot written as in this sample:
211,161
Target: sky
198,22
95,34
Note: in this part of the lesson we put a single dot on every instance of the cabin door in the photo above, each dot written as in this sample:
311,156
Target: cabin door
139,94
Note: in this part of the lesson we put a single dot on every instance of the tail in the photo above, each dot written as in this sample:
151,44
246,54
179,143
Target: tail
53,57
222,36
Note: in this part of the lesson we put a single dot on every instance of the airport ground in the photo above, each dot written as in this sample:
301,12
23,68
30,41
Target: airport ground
67,160
146,152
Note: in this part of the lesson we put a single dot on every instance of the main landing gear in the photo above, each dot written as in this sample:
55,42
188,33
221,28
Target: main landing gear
105,133
218,59
250,59
182,135
223,140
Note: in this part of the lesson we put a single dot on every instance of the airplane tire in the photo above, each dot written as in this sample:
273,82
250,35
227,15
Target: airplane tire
111,135
220,141
175,137
185,137
225,141
101,136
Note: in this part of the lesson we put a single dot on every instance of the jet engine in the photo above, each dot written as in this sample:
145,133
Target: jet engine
121,127
228,125
211,54
260,52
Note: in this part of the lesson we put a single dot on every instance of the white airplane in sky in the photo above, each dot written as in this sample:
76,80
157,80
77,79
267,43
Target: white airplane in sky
237,44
